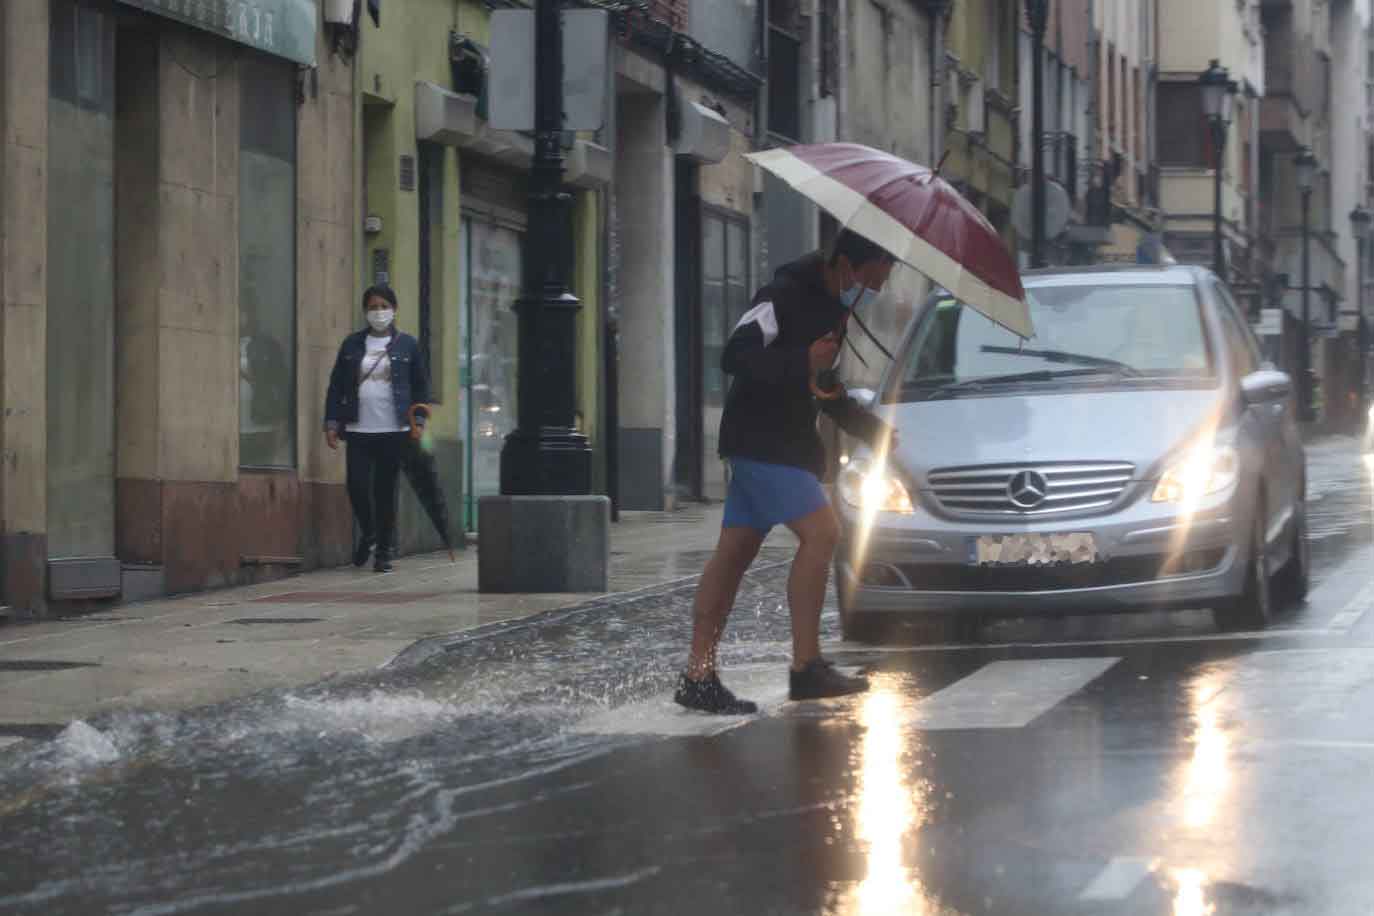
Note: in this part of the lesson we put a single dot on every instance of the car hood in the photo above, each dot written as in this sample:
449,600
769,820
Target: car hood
1139,427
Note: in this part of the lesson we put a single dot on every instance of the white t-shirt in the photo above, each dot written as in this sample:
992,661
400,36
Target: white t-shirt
376,407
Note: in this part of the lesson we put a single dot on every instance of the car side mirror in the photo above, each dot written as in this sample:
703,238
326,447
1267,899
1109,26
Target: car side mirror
1266,386
866,397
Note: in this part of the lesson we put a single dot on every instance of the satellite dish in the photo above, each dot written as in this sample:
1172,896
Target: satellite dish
1057,210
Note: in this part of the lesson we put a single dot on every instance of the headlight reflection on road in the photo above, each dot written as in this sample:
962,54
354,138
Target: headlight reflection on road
1191,898
890,809
1208,772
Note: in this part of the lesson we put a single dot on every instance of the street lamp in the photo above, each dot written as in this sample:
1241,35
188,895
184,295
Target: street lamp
546,455
1037,17
1360,224
1218,98
1305,165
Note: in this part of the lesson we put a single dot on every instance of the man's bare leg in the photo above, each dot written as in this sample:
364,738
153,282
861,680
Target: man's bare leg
716,593
819,534
810,680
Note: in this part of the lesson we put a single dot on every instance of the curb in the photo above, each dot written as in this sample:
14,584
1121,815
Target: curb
423,650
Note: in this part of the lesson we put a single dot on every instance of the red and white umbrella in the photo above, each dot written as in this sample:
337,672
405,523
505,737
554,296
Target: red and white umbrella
915,215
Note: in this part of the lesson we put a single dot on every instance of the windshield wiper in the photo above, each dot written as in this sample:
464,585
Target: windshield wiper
1063,356
1040,375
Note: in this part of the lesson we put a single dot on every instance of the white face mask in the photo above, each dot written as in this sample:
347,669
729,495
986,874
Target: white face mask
381,319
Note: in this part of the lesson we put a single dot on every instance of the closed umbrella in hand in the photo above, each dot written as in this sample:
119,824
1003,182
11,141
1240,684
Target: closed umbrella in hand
423,474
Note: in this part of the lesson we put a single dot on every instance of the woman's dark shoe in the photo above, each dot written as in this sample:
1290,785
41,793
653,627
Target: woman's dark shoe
362,552
383,563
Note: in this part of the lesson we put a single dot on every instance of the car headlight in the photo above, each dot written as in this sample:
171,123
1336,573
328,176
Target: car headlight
873,489
1200,473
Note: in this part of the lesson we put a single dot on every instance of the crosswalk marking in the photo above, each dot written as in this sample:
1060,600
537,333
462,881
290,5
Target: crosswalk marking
1009,694
1118,879
1356,608
1006,694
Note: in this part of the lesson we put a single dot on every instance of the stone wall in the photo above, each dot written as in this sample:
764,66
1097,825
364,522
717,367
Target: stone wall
23,300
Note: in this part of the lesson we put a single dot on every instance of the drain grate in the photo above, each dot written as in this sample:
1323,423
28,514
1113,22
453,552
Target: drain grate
40,664
253,621
348,597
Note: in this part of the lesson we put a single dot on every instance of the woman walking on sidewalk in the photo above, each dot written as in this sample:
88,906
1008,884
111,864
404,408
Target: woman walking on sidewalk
768,435
378,376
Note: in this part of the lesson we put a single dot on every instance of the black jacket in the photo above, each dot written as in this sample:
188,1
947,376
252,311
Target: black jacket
770,413
409,379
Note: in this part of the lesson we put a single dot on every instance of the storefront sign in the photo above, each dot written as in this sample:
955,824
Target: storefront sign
285,28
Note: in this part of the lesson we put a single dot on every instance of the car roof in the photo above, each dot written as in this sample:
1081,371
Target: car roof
1117,275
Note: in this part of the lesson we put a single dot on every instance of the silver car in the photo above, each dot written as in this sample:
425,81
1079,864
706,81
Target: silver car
1135,454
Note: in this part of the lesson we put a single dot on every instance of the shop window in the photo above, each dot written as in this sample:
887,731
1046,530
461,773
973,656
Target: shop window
80,344
267,263
493,267
724,294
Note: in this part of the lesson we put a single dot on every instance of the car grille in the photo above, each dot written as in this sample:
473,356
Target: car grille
1011,489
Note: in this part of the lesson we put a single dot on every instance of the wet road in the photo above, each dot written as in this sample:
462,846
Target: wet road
1141,764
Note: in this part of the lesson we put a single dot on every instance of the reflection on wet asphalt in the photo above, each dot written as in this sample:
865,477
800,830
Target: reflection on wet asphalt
1129,765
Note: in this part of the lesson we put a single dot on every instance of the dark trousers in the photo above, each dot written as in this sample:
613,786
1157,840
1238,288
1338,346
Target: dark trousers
374,461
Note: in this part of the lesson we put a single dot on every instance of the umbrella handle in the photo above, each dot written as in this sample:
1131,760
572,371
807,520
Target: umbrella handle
833,393
415,430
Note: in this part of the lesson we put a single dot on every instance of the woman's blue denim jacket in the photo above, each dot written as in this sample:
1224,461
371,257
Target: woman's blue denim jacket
409,380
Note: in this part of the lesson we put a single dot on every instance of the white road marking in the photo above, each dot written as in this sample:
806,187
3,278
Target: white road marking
1354,609
1118,879
1007,694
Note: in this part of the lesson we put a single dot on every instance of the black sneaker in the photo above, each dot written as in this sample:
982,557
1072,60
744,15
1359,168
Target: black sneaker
710,695
383,562
820,680
362,552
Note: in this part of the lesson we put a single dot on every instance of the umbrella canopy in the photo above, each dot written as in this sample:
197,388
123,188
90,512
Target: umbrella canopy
915,215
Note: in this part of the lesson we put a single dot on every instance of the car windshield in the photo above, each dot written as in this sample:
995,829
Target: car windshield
1084,333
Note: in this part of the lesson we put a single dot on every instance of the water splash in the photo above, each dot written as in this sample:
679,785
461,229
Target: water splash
81,745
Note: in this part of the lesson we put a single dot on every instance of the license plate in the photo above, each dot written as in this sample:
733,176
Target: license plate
1034,550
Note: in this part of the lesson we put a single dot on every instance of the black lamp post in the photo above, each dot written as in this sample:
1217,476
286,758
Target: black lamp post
1305,165
546,455
1360,224
1037,17
1218,97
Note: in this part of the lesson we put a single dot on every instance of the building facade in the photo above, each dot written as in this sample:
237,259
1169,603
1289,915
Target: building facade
444,221
1191,36
177,233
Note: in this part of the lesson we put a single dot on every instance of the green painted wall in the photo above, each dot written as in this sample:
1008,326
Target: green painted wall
411,46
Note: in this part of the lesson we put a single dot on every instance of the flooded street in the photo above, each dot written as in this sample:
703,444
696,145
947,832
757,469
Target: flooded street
1136,764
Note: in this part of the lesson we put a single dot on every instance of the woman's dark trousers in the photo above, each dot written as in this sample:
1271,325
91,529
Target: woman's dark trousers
374,462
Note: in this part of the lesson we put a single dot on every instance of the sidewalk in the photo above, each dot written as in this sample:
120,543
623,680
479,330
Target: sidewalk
183,652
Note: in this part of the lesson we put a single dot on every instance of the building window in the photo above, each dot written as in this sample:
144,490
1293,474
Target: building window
267,263
1182,122
784,84
992,72
724,293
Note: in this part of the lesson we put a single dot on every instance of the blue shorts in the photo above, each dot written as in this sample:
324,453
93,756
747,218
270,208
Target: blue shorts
763,495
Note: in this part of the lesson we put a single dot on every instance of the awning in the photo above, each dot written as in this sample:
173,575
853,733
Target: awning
284,28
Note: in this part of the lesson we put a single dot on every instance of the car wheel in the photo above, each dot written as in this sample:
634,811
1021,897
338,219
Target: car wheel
1253,608
856,626
1296,576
